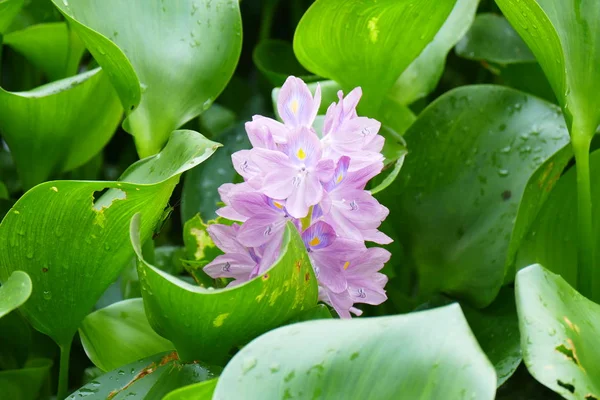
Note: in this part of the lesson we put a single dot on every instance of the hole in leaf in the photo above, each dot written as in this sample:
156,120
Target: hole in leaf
568,352
567,386
104,198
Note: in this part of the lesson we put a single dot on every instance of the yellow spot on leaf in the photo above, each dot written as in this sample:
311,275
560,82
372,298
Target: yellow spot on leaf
315,241
346,264
202,241
571,325
220,319
301,154
54,188
373,29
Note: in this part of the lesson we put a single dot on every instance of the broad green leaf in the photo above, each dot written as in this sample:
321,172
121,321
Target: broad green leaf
564,36
200,185
51,129
35,12
4,195
480,163
522,386
276,60
52,47
365,43
552,240
403,356
198,391
320,311
14,292
8,11
559,334
224,318
424,73
120,334
199,250
148,379
497,331
25,383
165,73
491,38
72,240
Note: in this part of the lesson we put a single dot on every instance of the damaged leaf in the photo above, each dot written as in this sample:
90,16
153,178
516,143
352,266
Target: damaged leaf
73,245
559,334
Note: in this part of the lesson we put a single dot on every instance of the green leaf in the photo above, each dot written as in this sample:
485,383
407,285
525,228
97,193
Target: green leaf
552,240
559,334
224,318
472,184
8,11
565,38
52,47
15,336
25,383
365,43
168,72
364,358
148,379
14,292
424,73
72,241
120,334
53,125
200,185
497,331
491,38
320,311
198,391
276,60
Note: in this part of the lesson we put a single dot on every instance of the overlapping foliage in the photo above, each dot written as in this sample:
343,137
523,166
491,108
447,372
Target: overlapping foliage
158,240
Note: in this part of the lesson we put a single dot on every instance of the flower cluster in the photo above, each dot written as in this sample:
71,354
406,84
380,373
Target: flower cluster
318,183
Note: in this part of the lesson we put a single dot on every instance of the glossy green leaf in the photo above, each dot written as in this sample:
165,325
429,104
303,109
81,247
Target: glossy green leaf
14,292
72,241
224,318
148,379
479,167
320,311
198,391
200,185
491,38
424,73
25,383
564,36
552,241
365,43
120,334
276,60
168,72
497,331
559,334
404,356
8,11
15,336
51,130
52,47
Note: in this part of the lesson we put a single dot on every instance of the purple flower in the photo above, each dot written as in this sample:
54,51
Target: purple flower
296,173
316,181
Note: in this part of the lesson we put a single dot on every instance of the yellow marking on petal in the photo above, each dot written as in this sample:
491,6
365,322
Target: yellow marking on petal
220,319
373,29
301,154
278,205
339,178
315,241
346,265
294,105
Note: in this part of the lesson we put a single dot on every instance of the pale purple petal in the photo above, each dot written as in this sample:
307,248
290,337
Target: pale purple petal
260,136
244,165
225,237
261,229
278,131
313,190
280,185
233,265
296,105
304,148
324,170
250,203
296,204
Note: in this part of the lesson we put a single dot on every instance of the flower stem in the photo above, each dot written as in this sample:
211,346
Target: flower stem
581,142
63,372
307,220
